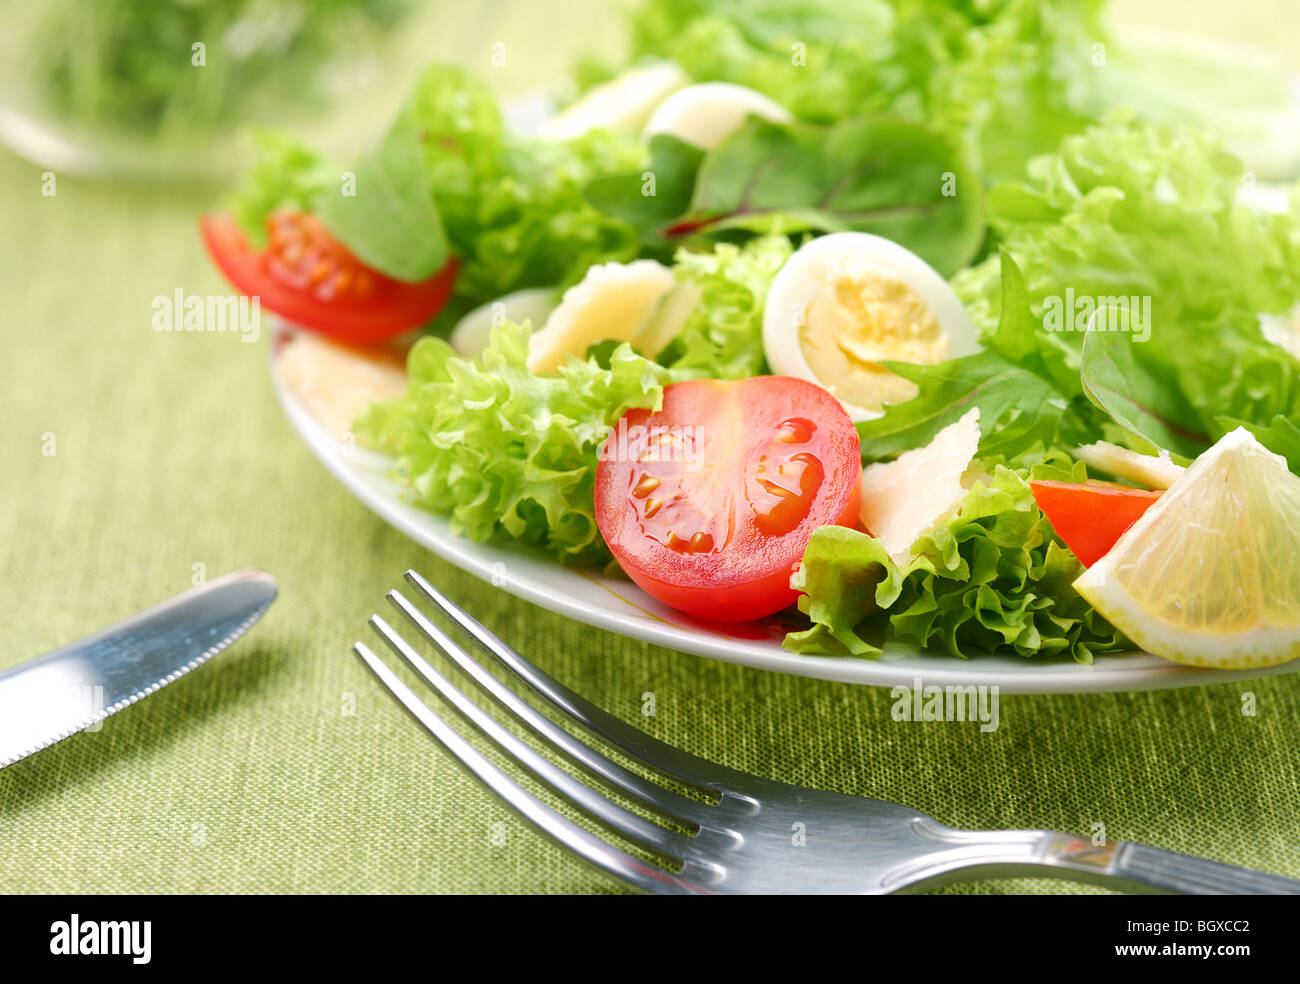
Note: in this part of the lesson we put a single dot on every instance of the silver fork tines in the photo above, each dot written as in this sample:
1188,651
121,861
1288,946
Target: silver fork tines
745,833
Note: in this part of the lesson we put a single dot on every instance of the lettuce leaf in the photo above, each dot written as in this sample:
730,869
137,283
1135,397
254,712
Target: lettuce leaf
723,336
512,204
507,453
1003,79
284,174
992,578
1133,210
510,454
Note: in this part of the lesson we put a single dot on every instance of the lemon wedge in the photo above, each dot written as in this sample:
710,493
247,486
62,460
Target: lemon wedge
1210,575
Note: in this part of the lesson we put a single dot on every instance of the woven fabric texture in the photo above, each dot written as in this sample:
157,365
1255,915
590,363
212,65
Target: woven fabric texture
282,767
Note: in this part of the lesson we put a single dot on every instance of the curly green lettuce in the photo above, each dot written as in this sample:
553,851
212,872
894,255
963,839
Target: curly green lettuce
992,578
505,452
1005,80
723,336
513,204
1133,210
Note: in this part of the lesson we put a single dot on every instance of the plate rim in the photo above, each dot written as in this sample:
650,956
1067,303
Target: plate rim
1116,674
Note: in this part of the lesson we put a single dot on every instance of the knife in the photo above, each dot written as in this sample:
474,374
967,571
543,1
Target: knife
74,688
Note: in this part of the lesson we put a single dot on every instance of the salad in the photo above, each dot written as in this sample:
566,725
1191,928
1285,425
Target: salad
901,314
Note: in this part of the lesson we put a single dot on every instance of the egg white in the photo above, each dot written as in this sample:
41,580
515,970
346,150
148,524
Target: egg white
472,332
706,114
840,254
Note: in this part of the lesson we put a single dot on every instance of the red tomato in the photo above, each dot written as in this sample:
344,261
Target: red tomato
308,277
708,504
1091,516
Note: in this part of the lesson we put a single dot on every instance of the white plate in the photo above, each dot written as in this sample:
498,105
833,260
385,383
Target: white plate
620,606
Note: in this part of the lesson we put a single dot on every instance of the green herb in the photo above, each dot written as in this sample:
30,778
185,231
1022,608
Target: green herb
894,179
1120,381
1012,384
389,218
507,453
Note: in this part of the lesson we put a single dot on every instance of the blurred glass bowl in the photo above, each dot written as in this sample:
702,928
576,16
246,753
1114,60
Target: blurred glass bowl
162,89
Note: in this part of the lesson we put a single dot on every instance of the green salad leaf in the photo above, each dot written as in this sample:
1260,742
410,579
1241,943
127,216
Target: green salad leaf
1121,381
992,578
1149,216
895,179
508,453
512,204
1022,410
723,336
389,219
449,178
655,197
1281,435
1003,80
284,174
505,452
1012,382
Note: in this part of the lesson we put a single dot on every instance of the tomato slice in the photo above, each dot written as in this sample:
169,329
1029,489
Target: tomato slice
1091,516
308,277
708,504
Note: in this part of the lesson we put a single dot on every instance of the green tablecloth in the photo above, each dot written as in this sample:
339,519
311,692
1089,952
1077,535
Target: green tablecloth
247,776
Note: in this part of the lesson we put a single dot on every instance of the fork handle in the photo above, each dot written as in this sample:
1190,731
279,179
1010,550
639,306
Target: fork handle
1153,869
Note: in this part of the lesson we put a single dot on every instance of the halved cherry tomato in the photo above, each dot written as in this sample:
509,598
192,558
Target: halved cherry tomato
708,504
308,277
1091,516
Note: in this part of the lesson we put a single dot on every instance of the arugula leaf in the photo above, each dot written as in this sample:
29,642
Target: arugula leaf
896,179
1011,383
1018,409
1137,396
391,223
1020,338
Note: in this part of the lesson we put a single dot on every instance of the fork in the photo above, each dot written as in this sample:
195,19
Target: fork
743,834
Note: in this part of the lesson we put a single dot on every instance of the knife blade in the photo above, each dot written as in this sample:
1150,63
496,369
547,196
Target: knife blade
77,686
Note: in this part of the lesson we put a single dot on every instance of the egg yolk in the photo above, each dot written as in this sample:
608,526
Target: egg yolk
853,323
